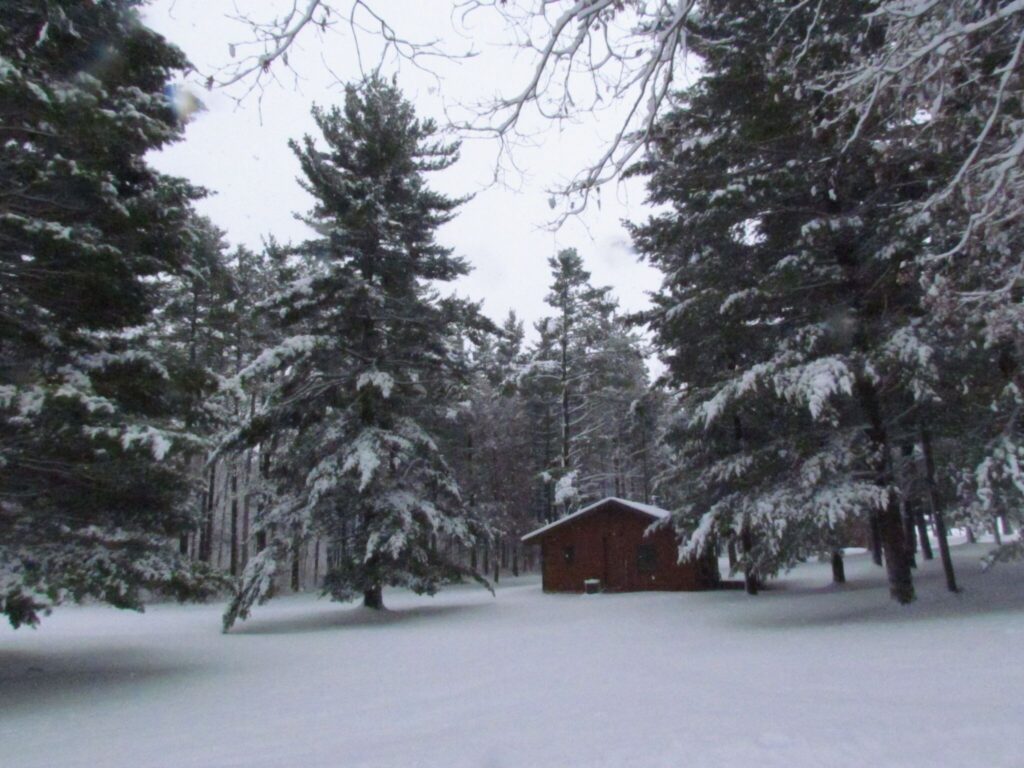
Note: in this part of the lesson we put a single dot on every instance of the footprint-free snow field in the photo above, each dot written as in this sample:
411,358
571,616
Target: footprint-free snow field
804,675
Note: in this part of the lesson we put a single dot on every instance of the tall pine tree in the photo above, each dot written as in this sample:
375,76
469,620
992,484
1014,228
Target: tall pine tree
784,308
90,430
370,366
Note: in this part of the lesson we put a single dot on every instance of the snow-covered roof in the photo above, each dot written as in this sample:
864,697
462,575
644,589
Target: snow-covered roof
645,509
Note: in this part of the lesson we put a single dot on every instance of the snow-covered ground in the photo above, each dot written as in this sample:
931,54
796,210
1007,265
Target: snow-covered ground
804,675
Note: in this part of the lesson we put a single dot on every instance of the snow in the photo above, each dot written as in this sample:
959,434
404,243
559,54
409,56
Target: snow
566,491
363,456
158,441
378,379
804,675
273,358
647,509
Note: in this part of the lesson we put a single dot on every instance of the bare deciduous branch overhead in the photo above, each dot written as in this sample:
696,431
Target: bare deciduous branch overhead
586,57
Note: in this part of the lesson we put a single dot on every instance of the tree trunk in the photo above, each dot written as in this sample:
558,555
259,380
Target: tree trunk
907,504
838,567
374,598
243,541
233,558
909,533
515,559
731,548
1007,525
922,535
264,464
644,462
937,518
183,542
316,563
296,566
206,532
565,400
750,580
875,531
247,496
971,536
897,561
890,523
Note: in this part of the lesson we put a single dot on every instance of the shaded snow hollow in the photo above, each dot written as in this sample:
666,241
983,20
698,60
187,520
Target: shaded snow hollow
804,675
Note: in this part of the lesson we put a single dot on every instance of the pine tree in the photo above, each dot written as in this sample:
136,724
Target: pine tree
951,73
190,332
91,435
784,310
537,388
583,375
369,369
582,320
619,417
493,444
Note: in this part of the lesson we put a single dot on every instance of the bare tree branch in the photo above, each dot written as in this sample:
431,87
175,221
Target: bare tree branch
586,58
259,56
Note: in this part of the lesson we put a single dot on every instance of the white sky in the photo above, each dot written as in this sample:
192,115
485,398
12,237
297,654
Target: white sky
240,153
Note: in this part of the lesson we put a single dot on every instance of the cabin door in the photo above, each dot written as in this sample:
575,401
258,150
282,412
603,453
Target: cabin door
615,567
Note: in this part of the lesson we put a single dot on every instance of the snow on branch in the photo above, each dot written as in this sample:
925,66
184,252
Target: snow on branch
938,56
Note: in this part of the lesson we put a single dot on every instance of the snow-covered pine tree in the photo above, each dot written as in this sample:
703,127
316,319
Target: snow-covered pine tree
256,276
784,310
190,330
570,362
370,364
194,322
952,74
616,444
582,318
492,451
537,389
90,433
650,455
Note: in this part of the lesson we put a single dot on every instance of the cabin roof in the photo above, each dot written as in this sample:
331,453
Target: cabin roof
655,513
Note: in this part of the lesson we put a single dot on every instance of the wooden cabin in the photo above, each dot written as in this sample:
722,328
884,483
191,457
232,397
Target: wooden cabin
613,541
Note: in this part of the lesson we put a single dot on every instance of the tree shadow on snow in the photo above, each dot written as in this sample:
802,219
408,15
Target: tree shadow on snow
865,600
45,679
350,618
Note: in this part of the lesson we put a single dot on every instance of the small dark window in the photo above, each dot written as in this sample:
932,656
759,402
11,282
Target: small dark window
569,554
646,559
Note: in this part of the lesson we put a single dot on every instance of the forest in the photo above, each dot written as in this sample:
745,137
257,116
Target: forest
832,204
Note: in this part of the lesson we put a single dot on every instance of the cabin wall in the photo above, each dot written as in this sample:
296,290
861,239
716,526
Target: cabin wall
605,546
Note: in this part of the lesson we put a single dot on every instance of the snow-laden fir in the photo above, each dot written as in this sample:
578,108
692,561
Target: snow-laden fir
370,365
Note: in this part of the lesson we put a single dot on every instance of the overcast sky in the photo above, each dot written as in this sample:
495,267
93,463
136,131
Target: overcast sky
240,152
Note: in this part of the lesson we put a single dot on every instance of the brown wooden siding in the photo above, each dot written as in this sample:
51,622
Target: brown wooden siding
605,544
